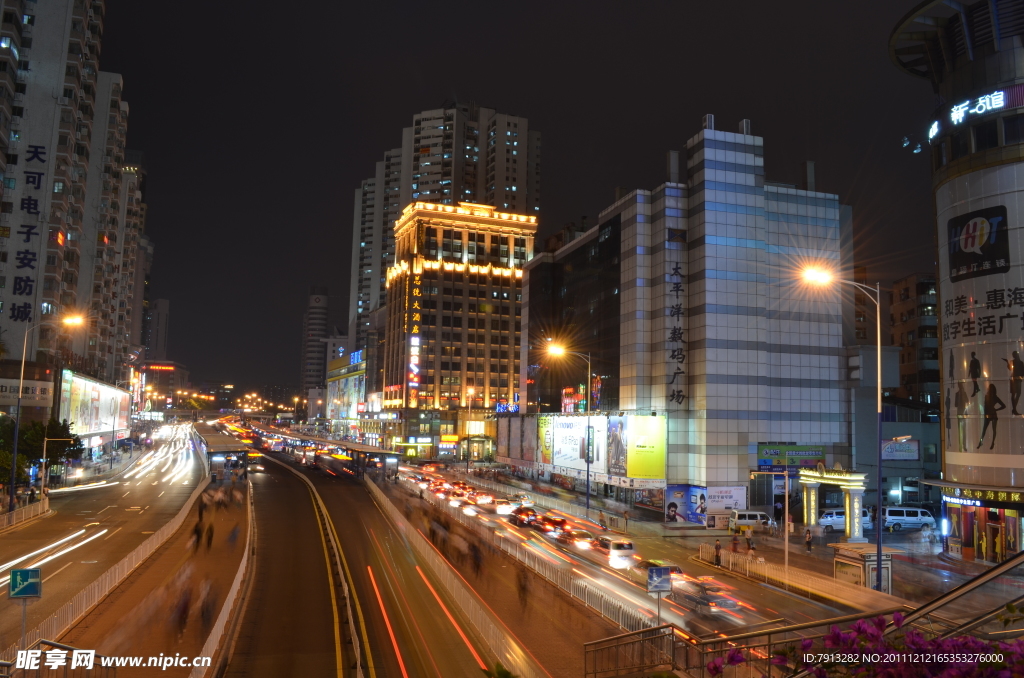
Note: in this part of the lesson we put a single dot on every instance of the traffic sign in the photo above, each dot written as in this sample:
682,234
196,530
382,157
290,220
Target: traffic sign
26,584
659,580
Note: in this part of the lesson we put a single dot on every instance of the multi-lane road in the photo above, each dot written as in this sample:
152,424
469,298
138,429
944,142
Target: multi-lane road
94,527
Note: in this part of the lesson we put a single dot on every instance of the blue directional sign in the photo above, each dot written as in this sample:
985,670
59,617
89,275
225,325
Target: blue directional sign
26,584
659,580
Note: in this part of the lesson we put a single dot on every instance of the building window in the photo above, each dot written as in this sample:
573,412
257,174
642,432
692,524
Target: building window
986,136
1013,129
960,144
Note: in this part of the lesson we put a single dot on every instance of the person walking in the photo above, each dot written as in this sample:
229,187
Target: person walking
808,541
748,533
601,521
209,536
736,541
718,553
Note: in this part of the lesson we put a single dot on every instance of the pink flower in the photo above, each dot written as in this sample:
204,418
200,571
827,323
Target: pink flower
714,666
735,657
897,619
806,644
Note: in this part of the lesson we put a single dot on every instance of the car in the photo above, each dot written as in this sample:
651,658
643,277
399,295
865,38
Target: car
744,518
579,538
522,516
638,572
897,518
482,497
620,552
256,468
521,498
503,507
551,525
833,519
458,498
704,596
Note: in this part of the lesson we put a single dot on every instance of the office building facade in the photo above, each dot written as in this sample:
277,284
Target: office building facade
457,153
453,320
687,299
976,134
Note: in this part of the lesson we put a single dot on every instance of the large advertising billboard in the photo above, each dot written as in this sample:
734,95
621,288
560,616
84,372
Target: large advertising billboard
776,458
563,441
901,450
92,407
981,287
637,446
686,502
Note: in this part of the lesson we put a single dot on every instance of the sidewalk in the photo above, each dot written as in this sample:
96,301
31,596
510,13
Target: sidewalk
169,603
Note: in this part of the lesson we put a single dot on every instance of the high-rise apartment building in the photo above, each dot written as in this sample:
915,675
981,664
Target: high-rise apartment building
158,317
457,153
913,309
45,217
313,371
454,299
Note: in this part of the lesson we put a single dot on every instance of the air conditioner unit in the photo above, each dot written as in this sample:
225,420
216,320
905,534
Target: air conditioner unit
63,101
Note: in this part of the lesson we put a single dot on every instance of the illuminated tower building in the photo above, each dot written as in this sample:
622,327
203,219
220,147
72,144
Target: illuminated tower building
312,373
457,153
970,52
452,338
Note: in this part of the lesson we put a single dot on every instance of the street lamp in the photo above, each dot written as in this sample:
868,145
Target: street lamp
785,515
73,320
559,351
823,278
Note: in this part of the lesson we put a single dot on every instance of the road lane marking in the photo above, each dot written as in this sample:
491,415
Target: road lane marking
334,601
58,572
452,620
7,566
102,510
160,495
125,494
387,622
112,534
58,554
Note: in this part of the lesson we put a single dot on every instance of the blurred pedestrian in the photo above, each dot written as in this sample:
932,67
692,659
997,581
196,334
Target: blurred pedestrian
736,541
197,536
748,533
32,495
523,585
181,611
209,536
808,540
601,521
718,553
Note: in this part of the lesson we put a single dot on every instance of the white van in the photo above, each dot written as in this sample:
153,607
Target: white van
835,519
752,518
620,552
900,517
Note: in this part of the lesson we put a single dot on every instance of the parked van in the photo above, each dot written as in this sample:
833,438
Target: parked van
901,517
835,519
752,518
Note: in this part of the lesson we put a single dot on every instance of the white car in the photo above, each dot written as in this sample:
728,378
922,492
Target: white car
835,519
503,507
520,499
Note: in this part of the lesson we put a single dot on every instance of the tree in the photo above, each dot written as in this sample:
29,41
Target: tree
6,436
30,442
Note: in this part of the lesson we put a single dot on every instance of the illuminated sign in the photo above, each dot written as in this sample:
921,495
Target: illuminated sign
961,501
933,130
169,368
983,104
449,439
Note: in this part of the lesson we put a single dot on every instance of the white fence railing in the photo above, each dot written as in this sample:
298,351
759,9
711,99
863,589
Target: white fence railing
611,607
27,513
213,641
61,620
506,650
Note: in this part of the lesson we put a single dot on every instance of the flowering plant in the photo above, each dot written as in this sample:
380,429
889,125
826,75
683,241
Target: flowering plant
905,654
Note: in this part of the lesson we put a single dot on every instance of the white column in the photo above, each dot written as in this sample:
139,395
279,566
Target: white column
810,493
854,502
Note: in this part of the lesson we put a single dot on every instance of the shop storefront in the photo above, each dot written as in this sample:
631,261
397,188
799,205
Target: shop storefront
981,523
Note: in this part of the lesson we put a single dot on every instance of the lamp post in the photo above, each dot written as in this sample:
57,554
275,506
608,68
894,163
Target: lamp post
821,277
71,320
558,351
785,515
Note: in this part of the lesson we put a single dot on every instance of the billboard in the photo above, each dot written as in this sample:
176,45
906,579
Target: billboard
981,288
563,441
775,458
727,498
686,502
92,407
906,450
530,438
637,446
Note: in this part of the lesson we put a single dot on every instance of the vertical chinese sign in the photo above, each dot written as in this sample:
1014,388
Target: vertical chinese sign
413,327
676,343
26,258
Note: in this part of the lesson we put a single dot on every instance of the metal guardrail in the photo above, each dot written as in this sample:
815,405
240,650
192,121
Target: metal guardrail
27,513
64,618
631,653
610,607
504,648
800,582
213,641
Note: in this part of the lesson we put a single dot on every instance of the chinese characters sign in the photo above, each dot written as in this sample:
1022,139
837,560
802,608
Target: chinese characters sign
414,318
676,342
979,244
28,235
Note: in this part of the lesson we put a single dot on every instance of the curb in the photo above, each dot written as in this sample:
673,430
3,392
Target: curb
23,523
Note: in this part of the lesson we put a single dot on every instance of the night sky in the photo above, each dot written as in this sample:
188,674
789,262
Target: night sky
258,122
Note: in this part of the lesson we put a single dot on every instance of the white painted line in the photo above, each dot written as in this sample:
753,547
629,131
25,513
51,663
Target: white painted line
125,494
58,572
160,495
112,534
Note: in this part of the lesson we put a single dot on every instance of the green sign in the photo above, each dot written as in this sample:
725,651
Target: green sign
776,458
